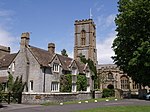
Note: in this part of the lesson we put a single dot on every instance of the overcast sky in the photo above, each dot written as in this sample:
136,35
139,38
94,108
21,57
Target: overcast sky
53,21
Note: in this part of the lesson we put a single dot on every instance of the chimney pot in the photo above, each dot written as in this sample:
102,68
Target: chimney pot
25,37
51,48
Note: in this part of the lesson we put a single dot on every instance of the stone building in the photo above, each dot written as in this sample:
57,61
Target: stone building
6,63
41,69
110,76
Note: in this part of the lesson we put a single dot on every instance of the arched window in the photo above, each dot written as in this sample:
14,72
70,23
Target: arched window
83,37
124,82
135,86
110,75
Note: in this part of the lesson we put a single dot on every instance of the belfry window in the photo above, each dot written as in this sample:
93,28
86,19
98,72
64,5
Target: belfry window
83,37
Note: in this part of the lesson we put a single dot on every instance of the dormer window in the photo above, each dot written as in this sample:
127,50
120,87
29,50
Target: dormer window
13,66
88,74
55,67
74,71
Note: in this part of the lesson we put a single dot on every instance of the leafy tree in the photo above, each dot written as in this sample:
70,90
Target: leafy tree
132,45
15,87
64,53
66,83
92,68
10,83
81,83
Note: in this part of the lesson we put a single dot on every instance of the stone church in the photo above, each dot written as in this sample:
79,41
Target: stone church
109,74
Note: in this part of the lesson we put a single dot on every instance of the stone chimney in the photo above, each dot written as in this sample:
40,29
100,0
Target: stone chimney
51,48
4,50
25,37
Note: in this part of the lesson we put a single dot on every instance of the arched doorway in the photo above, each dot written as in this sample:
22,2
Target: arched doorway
110,86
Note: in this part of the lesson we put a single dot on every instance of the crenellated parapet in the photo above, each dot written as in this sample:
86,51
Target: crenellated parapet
84,21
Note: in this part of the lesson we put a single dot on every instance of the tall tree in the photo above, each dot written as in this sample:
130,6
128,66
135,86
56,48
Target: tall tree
64,53
132,45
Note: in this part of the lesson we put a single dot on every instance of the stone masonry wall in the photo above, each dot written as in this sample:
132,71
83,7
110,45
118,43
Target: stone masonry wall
39,98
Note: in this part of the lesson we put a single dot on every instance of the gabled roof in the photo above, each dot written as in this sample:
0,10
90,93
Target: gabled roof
65,61
7,60
44,58
41,55
81,66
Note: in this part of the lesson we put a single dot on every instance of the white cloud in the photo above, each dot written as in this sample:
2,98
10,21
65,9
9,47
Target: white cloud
71,54
105,22
6,38
104,51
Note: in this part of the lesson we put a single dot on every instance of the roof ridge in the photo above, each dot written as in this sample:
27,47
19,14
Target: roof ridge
38,48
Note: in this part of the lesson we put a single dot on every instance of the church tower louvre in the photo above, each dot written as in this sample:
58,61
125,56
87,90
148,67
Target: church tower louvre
85,40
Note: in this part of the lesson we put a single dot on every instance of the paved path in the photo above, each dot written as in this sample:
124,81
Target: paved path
70,107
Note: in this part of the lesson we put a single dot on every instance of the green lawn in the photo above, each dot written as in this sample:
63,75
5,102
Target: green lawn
75,102
119,109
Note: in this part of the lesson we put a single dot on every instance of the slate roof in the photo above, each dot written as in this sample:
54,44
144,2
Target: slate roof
81,66
65,61
44,58
41,55
7,60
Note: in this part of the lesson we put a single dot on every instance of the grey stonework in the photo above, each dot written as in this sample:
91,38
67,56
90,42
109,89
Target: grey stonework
36,66
39,98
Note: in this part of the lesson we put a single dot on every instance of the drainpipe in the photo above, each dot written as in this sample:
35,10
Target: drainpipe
44,80
27,69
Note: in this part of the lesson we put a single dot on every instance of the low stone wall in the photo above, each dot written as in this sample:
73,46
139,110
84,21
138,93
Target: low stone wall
39,98
84,95
98,94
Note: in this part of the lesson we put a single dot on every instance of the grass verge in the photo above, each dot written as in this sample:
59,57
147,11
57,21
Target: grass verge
75,102
119,109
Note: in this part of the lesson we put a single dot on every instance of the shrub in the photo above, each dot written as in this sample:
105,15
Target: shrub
66,83
108,93
81,83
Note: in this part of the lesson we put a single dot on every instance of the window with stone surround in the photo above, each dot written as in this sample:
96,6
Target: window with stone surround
124,82
74,71
13,66
135,86
55,87
74,87
88,74
55,67
31,85
110,75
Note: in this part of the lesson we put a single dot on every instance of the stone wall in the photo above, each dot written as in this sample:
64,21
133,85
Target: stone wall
39,98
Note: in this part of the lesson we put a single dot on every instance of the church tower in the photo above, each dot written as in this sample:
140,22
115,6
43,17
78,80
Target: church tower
85,40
